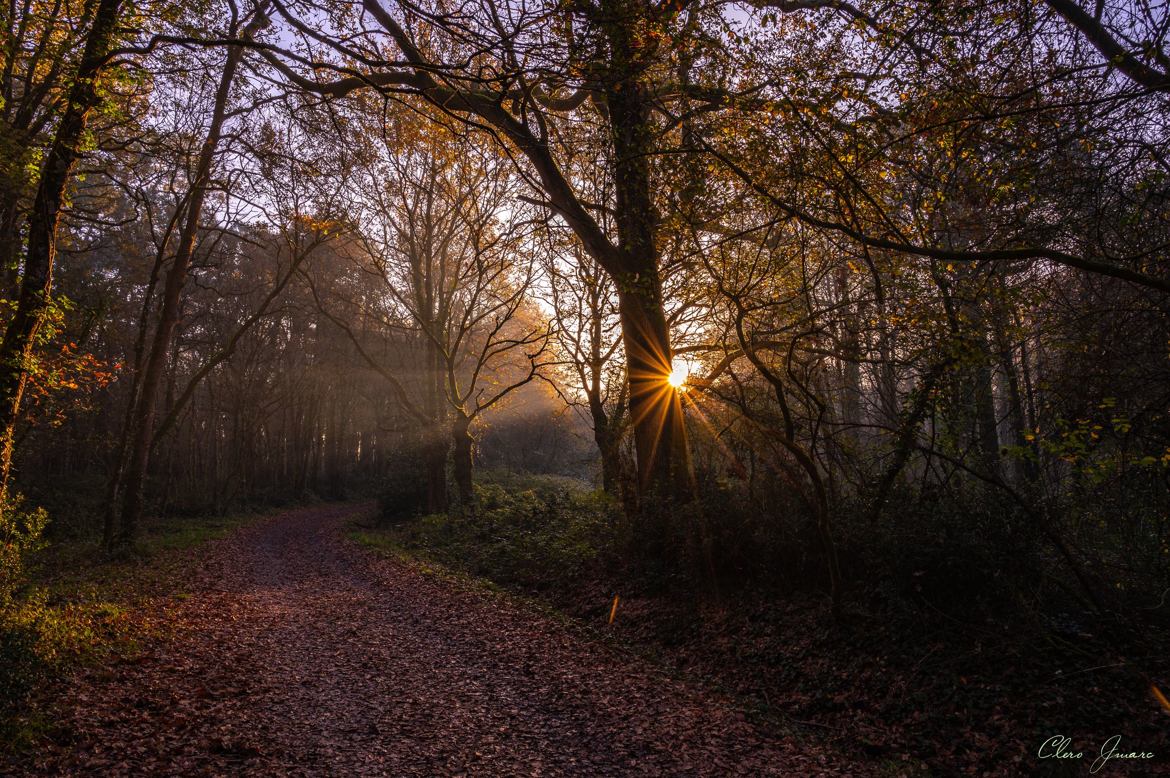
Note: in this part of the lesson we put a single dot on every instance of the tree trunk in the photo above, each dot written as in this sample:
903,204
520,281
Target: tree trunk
655,408
436,445
171,302
850,339
605,437
434,441
983,397
1017,421
16,350
461,438
118,466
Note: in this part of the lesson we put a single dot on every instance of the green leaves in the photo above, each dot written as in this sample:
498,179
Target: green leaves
20,535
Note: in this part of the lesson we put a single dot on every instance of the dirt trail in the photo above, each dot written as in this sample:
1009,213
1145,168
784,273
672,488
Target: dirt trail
299,653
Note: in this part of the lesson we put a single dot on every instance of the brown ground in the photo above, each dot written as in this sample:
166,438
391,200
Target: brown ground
296,652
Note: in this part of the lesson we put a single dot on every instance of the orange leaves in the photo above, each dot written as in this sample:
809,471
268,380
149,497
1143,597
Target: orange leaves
62,382
317,225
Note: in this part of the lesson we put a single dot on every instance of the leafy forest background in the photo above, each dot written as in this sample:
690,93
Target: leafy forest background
775,317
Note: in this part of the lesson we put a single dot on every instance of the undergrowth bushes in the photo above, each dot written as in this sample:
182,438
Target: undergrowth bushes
545,532
28,640
971,553
21,533
529,532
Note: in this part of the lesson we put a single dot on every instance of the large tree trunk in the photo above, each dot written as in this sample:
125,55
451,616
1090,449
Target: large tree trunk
655,407
660,441
171,303
16,350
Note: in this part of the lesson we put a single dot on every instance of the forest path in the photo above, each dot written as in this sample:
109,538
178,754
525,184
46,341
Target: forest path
297,652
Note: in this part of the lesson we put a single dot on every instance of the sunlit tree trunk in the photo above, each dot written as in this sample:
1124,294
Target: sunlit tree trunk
655,408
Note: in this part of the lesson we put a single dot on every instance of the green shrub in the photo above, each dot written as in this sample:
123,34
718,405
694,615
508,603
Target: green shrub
20,663
20,535
542,536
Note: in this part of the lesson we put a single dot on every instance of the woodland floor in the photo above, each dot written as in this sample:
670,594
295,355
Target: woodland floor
293,651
